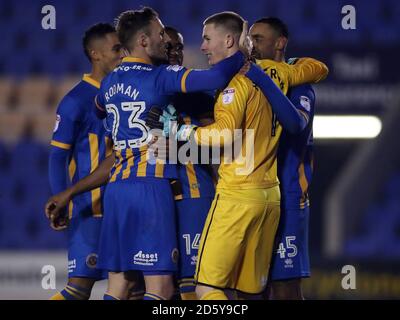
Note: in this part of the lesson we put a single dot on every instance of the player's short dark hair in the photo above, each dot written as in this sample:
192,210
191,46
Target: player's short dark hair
97,31
277,24
232,21
171,29
130,22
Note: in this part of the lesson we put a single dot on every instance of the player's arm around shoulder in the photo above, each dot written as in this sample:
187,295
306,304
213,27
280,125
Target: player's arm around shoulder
306,70
277,71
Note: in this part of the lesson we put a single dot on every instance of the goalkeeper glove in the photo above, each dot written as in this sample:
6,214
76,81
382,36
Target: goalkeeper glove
185,131
161,119
169,123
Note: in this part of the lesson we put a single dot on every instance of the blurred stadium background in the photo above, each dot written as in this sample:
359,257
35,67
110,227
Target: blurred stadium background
355,196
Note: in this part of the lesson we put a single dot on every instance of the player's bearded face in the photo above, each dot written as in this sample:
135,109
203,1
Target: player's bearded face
213,45
157,43
264,41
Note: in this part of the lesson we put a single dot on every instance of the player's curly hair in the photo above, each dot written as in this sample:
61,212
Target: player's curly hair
99,30
130,22
230,20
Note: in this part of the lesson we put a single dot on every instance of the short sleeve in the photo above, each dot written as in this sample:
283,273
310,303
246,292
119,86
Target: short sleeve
171,79
67,124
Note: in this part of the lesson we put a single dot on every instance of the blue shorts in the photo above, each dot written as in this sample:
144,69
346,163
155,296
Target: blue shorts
192,214
138,231
83,240
291,259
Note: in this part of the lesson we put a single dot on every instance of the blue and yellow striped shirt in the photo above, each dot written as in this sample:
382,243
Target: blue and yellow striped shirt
79,131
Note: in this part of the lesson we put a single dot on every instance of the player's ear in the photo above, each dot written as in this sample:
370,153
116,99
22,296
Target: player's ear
142,40
281,43
125,52
94,55
229,40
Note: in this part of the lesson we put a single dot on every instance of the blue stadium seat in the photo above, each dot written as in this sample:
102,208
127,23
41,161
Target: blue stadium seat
309,21
158,5
378,234
26,156
13,235
22,207
392,187
367,244
386,35
17,64
255,11
66,13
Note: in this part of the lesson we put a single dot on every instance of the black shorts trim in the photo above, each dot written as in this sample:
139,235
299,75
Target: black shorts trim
205,238
227,288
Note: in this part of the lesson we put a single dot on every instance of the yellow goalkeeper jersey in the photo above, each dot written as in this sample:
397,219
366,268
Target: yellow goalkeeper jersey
246,128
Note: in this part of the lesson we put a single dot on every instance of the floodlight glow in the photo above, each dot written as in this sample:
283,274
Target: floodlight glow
346,127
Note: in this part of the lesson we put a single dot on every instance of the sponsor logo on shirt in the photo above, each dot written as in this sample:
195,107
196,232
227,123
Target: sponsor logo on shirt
145,259
175,68
193,260
134,67
288,263
71,265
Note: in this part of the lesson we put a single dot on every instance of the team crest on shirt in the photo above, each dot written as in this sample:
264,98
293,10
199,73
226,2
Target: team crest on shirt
58,120
91,260
305,103
228,95
175,255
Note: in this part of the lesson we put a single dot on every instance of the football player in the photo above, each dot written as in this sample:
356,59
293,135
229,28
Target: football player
237,240
139,231
290,262
194,188
78,145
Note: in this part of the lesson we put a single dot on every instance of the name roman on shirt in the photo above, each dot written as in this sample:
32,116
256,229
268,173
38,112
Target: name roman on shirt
121,88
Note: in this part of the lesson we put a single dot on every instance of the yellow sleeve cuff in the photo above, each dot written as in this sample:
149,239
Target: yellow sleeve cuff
60,145
183,80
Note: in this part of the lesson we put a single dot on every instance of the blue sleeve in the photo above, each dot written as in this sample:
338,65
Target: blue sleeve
174,79
58,169
303,98
65,132
68,121
291,119
108,128
100,109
